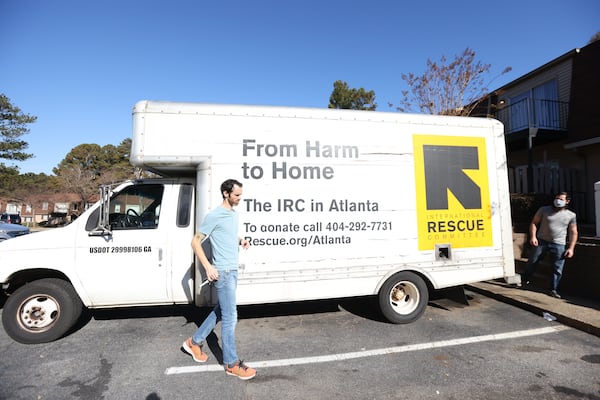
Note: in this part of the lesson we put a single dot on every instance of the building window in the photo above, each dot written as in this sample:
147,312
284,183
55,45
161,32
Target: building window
538,107
13,208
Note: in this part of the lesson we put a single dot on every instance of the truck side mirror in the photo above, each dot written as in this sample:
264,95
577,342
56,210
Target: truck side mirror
103,227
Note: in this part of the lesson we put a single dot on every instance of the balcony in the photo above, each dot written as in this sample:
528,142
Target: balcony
546,115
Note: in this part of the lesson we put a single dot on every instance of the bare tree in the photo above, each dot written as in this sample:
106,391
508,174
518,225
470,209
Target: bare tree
78,180
447,88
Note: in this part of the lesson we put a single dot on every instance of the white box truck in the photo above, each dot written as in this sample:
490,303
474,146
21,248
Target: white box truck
336,203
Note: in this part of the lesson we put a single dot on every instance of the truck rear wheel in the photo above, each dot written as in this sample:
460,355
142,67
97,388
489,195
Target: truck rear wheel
403,297
41,311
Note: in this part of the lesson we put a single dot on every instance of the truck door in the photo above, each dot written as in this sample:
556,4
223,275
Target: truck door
131,265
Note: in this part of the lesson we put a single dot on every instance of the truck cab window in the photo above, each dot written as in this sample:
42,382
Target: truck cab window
136,207
184,206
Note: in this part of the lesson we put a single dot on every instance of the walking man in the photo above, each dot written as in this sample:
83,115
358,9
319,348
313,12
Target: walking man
549,231
221,224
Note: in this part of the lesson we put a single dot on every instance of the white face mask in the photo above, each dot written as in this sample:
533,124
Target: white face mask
559,203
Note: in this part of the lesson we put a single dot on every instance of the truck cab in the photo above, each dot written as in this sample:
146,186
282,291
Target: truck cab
143,257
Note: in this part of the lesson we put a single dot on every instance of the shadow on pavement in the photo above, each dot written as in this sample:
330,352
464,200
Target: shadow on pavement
364,307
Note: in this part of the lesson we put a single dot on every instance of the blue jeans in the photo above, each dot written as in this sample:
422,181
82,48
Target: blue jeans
557,257
226,312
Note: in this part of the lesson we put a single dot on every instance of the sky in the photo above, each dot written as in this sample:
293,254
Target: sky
80,66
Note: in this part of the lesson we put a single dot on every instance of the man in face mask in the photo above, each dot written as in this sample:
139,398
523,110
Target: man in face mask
553,231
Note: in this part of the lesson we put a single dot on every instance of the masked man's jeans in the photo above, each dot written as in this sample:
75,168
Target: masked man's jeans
538,253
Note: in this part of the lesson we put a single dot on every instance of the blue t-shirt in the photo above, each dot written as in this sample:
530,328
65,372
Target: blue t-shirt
221,226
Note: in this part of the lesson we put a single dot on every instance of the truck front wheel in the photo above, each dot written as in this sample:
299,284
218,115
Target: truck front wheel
403,297
41,311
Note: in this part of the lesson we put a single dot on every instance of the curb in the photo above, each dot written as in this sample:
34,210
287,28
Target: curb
560,317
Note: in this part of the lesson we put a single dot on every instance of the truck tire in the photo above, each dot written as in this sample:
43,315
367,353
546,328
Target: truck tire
403,297
41,311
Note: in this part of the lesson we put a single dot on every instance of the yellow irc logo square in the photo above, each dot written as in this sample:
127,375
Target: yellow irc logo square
452,189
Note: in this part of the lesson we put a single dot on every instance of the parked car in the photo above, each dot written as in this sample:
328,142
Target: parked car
8,231
10,218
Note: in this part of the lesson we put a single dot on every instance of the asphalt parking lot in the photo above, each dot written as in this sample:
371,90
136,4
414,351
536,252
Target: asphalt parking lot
313,350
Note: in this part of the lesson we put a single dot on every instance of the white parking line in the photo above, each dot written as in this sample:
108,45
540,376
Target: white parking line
370,353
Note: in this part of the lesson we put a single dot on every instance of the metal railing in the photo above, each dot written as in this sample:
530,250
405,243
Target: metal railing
549,178
534,113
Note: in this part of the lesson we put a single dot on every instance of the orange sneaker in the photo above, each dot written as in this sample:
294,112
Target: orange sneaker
195,351
241,371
